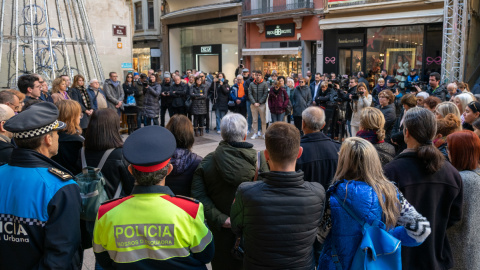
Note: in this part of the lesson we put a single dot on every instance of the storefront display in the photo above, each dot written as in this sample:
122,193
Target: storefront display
284,65
141,59
397,49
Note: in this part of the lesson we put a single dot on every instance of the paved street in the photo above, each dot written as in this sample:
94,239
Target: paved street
203,146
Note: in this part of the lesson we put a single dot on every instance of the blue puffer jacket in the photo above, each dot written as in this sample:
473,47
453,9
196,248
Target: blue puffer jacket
346,232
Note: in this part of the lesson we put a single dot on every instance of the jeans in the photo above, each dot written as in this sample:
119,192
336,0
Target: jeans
250,119
140,118
149,121
349,129
277,117
219,115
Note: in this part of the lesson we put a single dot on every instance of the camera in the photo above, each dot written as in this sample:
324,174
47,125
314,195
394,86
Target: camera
355,96
145,84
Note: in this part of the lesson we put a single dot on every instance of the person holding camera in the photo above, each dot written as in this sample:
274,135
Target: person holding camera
360,100
219,91
352,89
325,99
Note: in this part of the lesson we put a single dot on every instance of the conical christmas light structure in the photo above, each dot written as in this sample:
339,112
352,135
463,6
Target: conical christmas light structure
48,37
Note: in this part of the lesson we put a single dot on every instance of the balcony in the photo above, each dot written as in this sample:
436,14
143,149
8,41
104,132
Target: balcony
259,7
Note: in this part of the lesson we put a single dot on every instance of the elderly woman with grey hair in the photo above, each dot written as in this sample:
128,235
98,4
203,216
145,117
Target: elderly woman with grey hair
216,180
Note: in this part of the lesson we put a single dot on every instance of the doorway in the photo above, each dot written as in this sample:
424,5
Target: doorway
208,63
350,61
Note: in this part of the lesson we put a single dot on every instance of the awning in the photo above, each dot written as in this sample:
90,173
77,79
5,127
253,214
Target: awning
400,18
271,51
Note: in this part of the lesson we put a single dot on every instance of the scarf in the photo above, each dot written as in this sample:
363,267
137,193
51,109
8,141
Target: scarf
241,91
115,83
85,97
369,135
258,82
276,91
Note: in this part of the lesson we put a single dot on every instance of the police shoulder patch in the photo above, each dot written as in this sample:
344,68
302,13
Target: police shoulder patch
61,174
110,204
189,205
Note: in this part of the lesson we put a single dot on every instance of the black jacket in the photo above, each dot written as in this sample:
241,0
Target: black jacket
114,170
219,95
438,197
166,98
5,152
43,202
184,165
319,159
275,234
181,92
441,92
76,95
390,118
68,151
199,102
349,112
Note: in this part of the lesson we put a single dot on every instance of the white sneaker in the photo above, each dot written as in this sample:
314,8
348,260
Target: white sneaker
254,137
218,132
263,137
259,133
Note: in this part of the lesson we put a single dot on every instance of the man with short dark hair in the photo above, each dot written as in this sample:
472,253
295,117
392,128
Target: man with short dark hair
361,78
11,100
265,214
41,204
152,228
434,88
30,86
352,89
44,93
114,92
257,94
315,86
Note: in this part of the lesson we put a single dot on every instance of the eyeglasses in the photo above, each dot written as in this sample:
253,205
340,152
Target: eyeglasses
302,82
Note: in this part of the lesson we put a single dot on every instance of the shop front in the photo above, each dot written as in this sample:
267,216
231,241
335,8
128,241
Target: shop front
375,44
285,46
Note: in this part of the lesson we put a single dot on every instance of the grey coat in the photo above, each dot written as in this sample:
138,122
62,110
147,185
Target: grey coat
301,99
151,105
199,102
258,93
114,94
464,236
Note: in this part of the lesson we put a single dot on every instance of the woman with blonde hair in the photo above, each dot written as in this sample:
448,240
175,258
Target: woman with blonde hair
357,185
462,101
59,90
446,107
372,123
364,100
69,139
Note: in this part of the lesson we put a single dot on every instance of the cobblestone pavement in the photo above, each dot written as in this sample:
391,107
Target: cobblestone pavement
203,146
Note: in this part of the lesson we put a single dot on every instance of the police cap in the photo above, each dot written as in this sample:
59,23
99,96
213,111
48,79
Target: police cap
36,120
149,149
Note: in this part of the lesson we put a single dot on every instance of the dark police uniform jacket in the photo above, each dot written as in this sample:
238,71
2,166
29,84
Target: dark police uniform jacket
39,214
152,229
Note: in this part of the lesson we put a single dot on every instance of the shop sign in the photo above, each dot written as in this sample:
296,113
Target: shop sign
280,30
349,3
206,49
127,65
350,40
120,30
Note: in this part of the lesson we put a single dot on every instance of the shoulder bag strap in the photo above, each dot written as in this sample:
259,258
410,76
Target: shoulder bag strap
349,211
84,161
119,190
258,166
104,158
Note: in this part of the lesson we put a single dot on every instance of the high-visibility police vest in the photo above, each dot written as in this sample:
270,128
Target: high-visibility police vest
150,226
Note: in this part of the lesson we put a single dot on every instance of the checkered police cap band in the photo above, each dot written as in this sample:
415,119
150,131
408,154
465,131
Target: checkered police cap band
36,132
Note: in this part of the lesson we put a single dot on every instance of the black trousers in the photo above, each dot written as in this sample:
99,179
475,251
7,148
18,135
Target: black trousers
297,121
179,110
241,109
199,120
163,110
207,116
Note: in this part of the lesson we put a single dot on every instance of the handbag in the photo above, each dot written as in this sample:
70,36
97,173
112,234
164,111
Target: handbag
237,250
188,103
378,249
131,101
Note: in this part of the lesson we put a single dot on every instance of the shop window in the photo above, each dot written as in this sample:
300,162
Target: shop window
397,49
151,15
138,16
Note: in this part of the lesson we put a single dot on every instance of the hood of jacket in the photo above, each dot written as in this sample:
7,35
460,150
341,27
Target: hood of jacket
235,162
181,160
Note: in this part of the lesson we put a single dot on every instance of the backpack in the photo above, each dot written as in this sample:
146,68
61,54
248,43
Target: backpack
377,250
92,186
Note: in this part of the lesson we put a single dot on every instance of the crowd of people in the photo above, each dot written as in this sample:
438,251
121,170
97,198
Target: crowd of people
410,166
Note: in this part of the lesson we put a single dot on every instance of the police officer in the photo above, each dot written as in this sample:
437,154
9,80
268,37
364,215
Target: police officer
40,209
152,228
